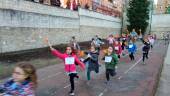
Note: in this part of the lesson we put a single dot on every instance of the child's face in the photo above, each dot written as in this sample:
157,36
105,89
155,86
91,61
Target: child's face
146,40
133,30
19,75
68,50
92,49
110,50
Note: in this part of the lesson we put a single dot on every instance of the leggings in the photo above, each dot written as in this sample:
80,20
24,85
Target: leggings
89,71
145,55
109,72
131,56
72,76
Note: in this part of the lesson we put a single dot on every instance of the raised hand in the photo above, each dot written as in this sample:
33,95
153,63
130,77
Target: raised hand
47,42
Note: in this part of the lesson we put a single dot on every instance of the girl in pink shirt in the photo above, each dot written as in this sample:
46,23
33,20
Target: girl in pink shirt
69,62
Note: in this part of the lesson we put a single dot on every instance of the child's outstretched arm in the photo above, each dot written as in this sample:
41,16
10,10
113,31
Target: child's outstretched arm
82,65
48,43
54,51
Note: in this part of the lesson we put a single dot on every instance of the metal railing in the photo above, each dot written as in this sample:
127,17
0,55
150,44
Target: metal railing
107,9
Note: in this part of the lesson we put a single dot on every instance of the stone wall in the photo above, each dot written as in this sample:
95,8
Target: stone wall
24,24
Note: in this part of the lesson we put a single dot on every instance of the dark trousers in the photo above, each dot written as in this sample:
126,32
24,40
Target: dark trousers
89,71
118,56
151,46
72,76
109,72
131,55
145,55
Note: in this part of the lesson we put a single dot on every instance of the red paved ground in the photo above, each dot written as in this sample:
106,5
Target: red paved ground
140,81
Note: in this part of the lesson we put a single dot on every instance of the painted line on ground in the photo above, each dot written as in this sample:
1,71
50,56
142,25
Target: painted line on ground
102,93
137,62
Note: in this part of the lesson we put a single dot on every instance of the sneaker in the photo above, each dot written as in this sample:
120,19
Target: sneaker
72,94
107,82
144,63
77,76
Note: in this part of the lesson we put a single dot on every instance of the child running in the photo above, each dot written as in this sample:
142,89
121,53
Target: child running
69,61
124,39
92,61
131,49
145,49
151,40
118,48
111,60
22,83
74,45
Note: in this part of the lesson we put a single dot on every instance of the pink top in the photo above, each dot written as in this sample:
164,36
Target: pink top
69,61
118,49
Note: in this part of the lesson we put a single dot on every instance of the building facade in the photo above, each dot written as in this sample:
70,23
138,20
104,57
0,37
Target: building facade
161,6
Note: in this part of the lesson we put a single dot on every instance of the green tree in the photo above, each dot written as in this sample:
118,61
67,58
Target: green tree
168,10
138,15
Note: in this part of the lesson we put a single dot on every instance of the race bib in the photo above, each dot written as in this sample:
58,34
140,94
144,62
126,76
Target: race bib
117,48
130,46
108,59
69,60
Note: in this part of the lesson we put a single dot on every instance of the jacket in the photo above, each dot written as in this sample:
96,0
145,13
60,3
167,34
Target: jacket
146,47
131,48
69,61
118,49
92,61
113,63
11,88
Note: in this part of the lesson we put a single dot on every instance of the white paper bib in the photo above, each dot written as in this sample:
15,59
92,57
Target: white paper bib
108,59
69,60
116,48
130,46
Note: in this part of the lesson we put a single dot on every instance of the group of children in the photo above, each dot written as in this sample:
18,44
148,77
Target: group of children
24,78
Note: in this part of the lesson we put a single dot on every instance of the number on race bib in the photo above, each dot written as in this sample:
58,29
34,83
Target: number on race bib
69,60
130,46
116,48
108,59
